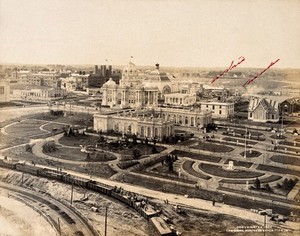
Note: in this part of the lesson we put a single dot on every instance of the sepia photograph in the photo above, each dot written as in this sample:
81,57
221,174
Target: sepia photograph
149,117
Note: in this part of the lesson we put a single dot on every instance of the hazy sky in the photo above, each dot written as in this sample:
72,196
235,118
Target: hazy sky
173,33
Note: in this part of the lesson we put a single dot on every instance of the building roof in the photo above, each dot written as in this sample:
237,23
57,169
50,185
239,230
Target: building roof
268,104
110,83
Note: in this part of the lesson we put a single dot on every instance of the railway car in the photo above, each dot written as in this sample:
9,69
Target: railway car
53,174
27,168
7,164
98,187
75,180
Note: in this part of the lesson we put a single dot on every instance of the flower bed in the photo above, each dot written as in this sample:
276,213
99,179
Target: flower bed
252,154
211,147
286,160
187,166
278,170
196,156
217,170
239,163
75,154
268,179
126,164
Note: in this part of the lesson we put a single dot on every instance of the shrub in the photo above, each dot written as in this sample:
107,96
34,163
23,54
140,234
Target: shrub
49,147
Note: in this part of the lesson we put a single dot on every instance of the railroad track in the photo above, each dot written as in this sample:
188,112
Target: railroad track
65,220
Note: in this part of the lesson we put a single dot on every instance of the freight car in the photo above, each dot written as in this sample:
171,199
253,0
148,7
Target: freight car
99,187
30,169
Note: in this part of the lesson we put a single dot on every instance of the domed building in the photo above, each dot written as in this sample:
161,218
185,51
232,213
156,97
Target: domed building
136,90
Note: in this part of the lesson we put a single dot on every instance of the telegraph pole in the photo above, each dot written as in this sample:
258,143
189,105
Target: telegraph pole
72,194
105,224
59,228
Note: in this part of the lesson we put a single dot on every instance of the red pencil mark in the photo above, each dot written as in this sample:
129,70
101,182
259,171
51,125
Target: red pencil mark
229,68
251,80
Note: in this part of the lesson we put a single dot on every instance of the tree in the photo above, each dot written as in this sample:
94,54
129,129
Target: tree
136,153
268,188
257,183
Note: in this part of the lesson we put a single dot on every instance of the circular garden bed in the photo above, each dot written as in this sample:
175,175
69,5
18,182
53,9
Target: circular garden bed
251,154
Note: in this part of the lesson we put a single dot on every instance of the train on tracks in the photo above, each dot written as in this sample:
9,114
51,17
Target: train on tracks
153,217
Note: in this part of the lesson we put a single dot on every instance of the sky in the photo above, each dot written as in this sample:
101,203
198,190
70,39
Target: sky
184,33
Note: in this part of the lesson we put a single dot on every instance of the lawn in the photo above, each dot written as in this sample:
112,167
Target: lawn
96,169
74,154
265,180
211,147
286,143
241,141
187,166
216,170
239,163
251,154
286,160
26,128
75,141
196,156
163,172
278,170
54,127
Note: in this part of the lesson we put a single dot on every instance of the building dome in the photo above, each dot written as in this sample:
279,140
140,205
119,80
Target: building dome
149,85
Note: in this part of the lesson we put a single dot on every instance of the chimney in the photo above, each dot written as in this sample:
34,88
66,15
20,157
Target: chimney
157,66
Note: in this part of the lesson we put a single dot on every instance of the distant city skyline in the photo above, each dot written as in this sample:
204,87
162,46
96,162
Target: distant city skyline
175,33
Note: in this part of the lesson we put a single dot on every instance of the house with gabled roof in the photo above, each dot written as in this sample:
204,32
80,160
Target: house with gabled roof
262,109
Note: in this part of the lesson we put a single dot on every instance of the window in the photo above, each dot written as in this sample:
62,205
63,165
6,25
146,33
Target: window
250,114
220,112
2,90
213,107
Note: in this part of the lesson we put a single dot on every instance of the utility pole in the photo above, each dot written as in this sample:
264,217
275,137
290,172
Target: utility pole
72,194
265,225
105,224
59,228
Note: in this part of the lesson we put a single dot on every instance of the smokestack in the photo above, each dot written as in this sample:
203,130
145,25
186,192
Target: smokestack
157,66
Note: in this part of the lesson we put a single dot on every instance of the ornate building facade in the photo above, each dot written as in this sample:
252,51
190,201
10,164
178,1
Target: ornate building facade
151,123
137,90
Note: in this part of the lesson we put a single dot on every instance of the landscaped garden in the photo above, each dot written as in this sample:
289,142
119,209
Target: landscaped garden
25,128
75,154
196,156
239,163
187,166
219,171
278,170
269,179
211,147
251,153
177,188
286,160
